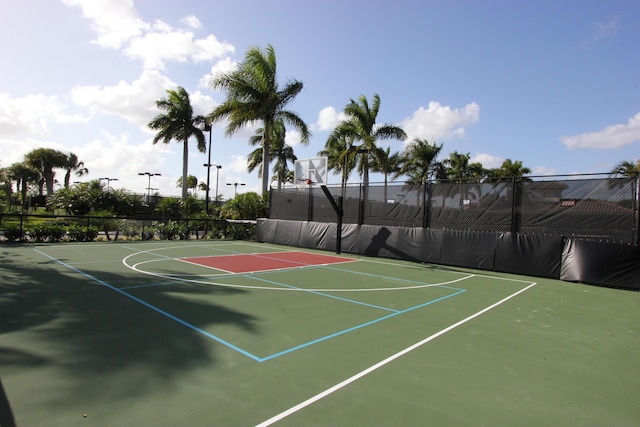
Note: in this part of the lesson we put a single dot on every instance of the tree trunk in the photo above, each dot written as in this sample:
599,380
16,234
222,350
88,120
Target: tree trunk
185,167
266,143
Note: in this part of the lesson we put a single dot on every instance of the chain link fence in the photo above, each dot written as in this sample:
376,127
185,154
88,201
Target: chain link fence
581,206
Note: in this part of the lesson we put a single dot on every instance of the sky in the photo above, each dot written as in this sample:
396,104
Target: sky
554,84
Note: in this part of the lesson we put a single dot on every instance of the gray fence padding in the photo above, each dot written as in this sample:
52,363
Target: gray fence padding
314,235
288,233
266,229
532,255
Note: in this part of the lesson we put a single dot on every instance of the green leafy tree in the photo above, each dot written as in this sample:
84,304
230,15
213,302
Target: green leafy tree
245,206
254,95
44,161
360,126
178,123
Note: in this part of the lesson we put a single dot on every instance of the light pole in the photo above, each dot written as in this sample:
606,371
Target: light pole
207,128
218,167
235,190
108,181
149,174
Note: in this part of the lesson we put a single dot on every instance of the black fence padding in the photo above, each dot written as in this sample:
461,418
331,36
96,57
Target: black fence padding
379,241
471,249
532,255
610,264
314,235
288,233
593,262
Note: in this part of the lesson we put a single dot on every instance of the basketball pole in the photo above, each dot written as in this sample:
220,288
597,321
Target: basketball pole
339,212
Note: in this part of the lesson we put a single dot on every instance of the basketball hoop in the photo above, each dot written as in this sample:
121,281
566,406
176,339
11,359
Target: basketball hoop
305,182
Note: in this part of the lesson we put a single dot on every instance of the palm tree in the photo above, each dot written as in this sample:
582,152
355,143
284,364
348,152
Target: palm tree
360,125
179,123
279,150
192,182
458,170
253,95
626,169
509,169
74,165
44,161
340,156
387,164
419,162
23,175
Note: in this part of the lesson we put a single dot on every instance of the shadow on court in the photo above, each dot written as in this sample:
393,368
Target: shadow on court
54,320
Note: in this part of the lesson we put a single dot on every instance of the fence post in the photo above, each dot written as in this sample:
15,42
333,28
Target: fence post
426,200
514,189
636,196
310,207
361,198
21,229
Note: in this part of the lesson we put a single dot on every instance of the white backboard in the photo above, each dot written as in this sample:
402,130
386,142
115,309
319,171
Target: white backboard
310,171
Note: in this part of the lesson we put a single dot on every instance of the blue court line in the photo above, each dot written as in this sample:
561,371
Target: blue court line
154,308
238,349
322,294
362,325
150,285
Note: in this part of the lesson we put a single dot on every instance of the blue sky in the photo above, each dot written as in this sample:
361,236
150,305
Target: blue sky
555,84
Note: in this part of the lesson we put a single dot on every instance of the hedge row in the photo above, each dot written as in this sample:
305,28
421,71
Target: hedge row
50,231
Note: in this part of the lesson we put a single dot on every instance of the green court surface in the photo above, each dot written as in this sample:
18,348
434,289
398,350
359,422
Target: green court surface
226,333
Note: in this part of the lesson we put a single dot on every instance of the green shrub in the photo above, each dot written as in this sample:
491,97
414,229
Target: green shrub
79,233
13,233
131,229
167,230
47,231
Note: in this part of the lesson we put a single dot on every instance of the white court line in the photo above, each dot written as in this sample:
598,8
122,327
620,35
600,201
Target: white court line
389,359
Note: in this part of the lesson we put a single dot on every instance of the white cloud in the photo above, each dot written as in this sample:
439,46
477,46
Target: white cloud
440,122
164,44
13,151
328,118
543,170
239,164
607,29
224,66
614,136
32,114
134,102
115,21
192,22
202,104
293,138
118,27
488,161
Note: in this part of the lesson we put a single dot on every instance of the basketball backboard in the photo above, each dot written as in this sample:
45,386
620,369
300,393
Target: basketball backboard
312,171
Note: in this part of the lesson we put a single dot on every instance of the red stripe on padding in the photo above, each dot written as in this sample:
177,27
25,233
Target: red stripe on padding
245,263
